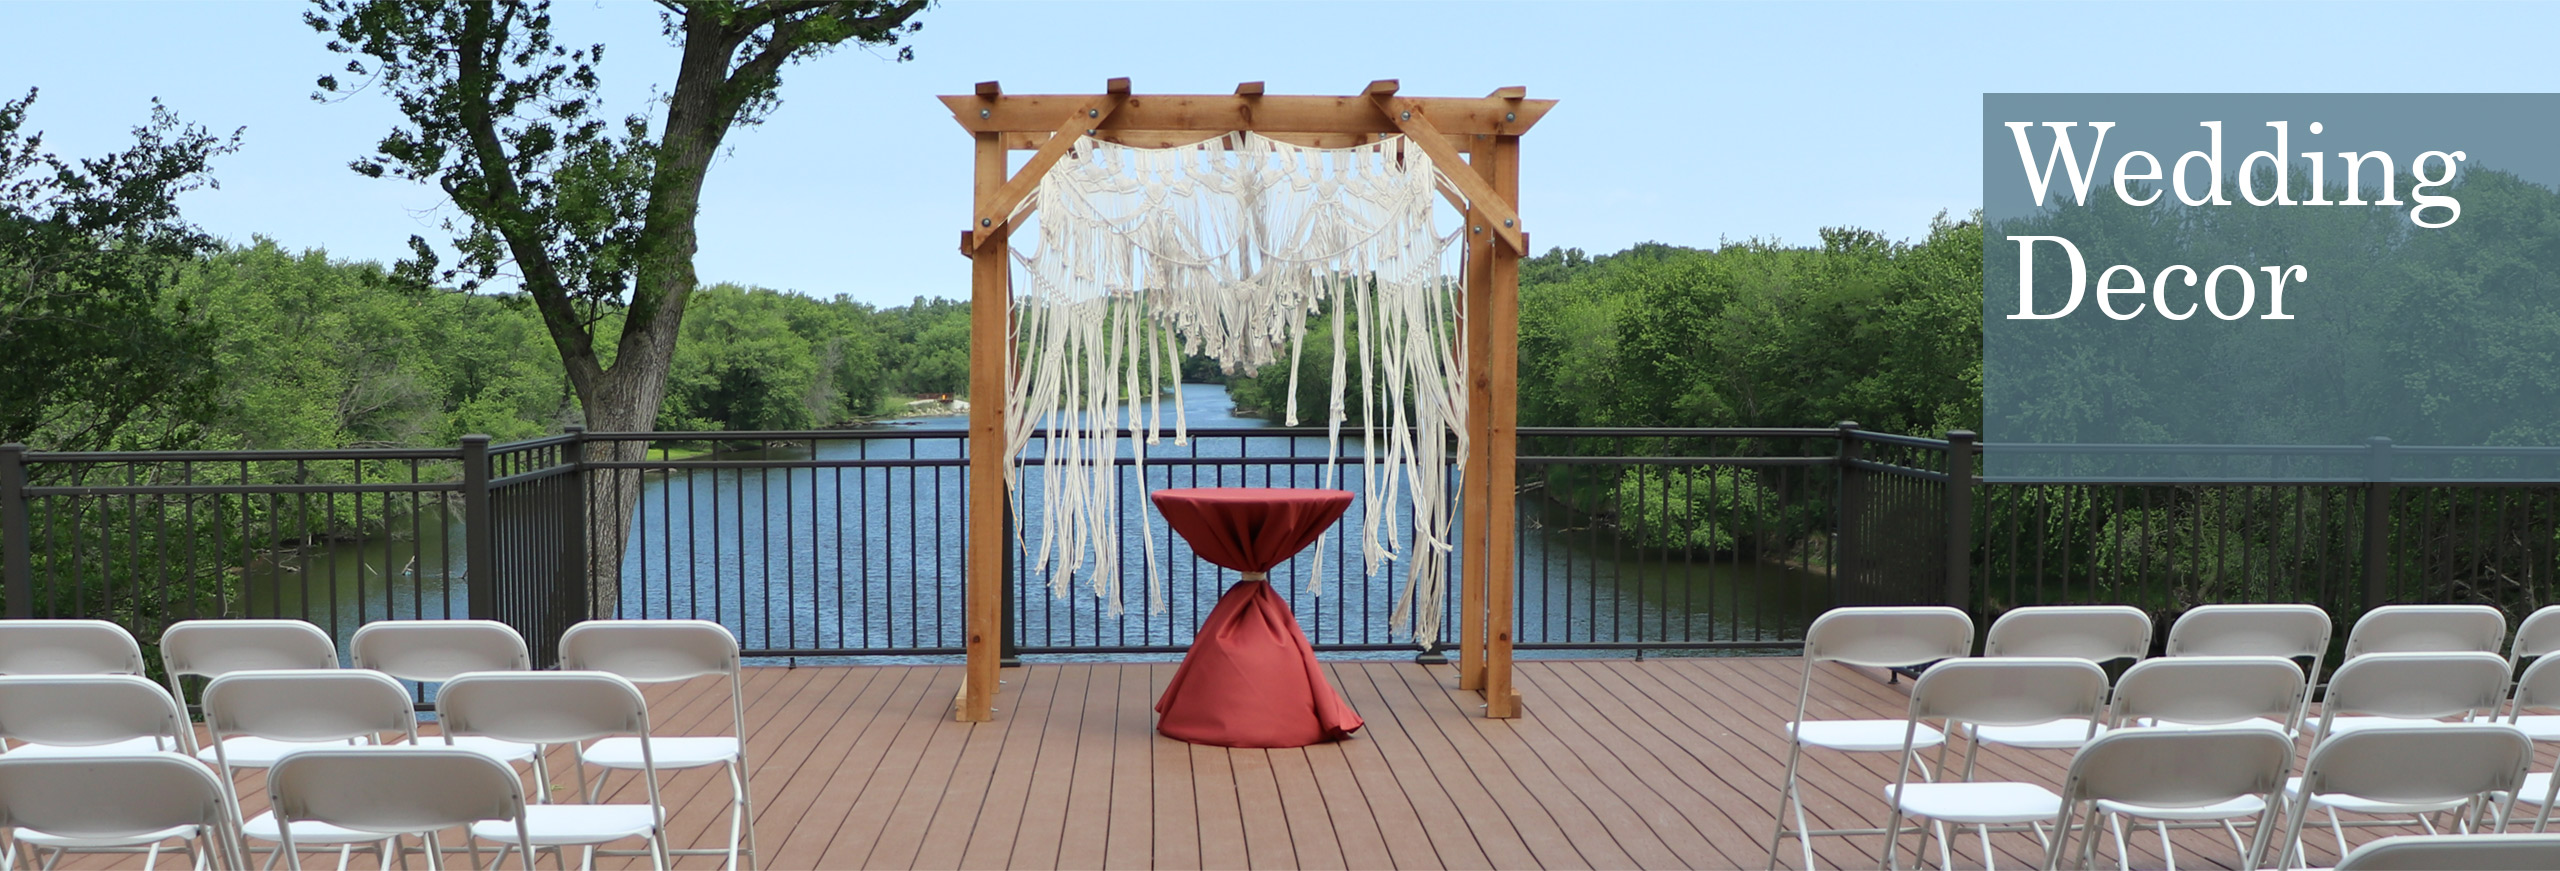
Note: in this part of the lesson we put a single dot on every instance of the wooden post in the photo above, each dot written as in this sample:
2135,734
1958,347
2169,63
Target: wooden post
1502,439
1474,479
988,347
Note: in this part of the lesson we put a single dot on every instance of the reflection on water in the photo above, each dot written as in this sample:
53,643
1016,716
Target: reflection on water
848,559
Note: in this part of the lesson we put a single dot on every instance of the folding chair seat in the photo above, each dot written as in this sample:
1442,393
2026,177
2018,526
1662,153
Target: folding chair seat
438,788
2297,633
2098,633
562,707
122,801
660,651
2021,691
259,719
1873,638
2456,853
74,647
2404,766
2174,774
92,716
213,648
434,651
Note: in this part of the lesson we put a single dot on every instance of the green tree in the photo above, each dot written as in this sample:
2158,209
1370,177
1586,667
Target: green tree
590,216
88,249
739,365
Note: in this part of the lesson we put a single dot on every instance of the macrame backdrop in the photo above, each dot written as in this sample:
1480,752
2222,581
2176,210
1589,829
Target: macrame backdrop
1231,245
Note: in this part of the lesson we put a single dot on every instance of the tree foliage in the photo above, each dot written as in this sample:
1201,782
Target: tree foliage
592,216
88,248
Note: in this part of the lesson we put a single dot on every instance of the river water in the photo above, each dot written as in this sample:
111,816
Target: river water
868,558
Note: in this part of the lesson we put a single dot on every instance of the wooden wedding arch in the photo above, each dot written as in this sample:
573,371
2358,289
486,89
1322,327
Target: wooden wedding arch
1476,141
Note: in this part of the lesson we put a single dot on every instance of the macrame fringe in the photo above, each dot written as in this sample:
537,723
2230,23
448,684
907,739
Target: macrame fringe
1230,245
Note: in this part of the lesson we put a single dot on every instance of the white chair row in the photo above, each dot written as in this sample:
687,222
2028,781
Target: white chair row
276,691
2228,666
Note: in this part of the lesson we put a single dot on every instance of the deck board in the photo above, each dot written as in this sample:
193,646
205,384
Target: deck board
1661,763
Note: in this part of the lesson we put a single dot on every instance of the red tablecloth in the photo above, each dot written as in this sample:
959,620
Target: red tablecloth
1251,678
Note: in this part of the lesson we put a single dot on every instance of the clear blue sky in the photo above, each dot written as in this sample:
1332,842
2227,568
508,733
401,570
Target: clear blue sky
1683,123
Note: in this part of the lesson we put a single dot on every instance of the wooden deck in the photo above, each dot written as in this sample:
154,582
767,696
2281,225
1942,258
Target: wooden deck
1617,763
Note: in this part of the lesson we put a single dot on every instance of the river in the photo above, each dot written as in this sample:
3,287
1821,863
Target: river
868,558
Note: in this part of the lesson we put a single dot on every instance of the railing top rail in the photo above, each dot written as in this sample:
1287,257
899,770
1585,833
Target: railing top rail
1894,439
242,456
1763,432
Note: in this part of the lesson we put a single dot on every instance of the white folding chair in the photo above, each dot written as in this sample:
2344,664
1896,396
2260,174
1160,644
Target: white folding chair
2402,691
2098,633
213,648
2218,693
1874,638
658,651
2020,691
91,716
386,792
257,719
2408,766
562,707
128,800
37,647
434,651
2535,640
2164,774
2456,853
2538,689
2294,632
2427,629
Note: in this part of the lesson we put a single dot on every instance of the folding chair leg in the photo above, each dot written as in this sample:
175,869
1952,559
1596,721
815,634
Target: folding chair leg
746,810
1787,800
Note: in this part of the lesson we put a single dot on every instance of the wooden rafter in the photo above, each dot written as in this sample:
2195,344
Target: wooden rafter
1501,218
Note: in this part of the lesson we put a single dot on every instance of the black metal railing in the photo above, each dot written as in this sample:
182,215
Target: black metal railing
850,543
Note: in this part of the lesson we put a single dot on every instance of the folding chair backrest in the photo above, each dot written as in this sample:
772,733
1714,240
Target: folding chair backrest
436,650
2419,764
2456,853
650,651
2537,636
106,797
2209,690
213,648
389,790
1886,637
2013,691
308,705
67,647
89,710
2291,631
2178,768
2416,685
2098,633
543,707
2540,685
2428,628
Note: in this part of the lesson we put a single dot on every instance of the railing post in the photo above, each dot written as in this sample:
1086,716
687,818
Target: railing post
479,546
1852,508
2377,521
574,570
17,564
1961,448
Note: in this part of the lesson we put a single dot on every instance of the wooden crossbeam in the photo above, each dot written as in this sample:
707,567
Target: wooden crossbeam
1500,216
